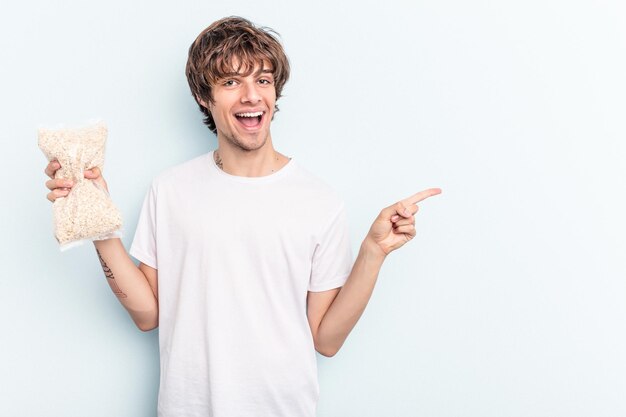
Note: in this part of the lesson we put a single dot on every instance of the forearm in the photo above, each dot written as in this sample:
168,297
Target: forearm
128,282
351,300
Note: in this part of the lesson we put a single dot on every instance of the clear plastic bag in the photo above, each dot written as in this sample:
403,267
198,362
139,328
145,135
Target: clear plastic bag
87,213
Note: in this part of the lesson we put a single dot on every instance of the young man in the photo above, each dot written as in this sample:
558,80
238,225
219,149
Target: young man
245,262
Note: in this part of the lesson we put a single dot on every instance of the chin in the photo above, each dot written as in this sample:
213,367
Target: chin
247,145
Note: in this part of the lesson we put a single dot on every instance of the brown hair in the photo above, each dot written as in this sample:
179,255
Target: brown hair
231,40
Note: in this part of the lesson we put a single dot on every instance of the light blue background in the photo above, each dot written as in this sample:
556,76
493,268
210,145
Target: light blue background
511,301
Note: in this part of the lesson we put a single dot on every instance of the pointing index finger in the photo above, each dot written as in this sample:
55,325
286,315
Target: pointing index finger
422,195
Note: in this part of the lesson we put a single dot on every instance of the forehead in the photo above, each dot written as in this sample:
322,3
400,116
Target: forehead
243,66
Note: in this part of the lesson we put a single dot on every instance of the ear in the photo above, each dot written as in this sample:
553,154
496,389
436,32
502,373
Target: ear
203,103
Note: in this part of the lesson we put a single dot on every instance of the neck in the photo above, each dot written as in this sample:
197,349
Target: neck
242,163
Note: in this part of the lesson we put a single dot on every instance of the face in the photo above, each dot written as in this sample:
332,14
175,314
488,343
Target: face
243,107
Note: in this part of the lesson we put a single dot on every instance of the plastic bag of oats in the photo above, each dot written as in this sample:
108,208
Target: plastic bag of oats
87,213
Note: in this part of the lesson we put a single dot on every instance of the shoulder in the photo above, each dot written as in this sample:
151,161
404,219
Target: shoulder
181,174
312,188
313,181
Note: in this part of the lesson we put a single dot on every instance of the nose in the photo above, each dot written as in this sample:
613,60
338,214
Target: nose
250,93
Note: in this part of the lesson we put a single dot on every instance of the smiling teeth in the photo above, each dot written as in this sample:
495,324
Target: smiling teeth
256,114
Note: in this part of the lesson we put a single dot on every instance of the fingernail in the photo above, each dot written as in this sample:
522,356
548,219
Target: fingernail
68,183
407,212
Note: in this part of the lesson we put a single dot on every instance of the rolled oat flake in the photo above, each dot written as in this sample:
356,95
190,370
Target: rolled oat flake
87,213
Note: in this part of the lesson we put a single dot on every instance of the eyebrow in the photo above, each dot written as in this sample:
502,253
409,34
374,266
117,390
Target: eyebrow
264,71
256,74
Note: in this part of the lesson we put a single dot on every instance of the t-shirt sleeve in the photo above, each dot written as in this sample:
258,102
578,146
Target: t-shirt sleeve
332,258
143,247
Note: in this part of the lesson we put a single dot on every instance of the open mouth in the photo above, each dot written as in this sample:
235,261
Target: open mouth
250,120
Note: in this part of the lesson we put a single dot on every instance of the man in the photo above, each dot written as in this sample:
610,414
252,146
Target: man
245,261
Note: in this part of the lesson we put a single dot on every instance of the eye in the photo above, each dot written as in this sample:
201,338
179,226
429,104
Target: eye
265,81
229,83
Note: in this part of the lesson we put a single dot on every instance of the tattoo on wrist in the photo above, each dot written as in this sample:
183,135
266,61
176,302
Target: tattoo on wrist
110,278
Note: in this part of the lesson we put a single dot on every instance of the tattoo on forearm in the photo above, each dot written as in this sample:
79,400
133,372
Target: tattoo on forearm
107,270
218,160
110,278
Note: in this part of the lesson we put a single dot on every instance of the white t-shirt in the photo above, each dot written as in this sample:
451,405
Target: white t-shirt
236,257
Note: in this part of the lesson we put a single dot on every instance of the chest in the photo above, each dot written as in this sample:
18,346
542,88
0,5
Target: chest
232,222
